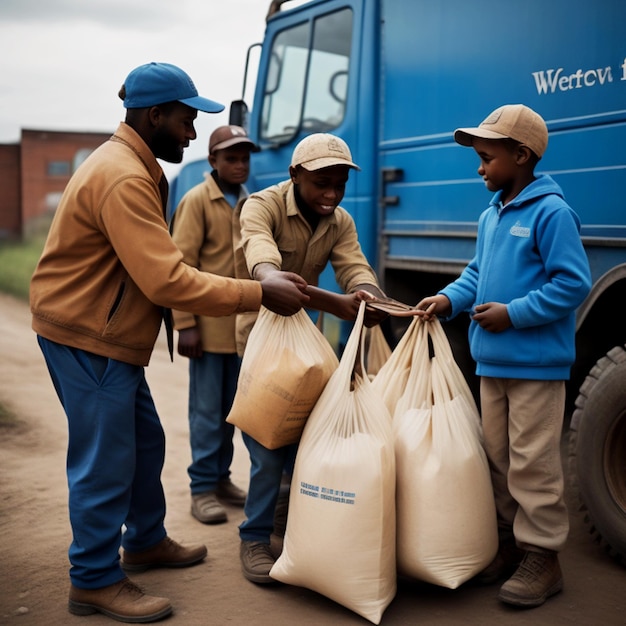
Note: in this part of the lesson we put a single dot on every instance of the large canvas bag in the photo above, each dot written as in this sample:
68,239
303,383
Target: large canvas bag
285,367
447,530
340,536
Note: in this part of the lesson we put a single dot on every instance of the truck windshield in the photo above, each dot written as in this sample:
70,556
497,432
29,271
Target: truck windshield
307,80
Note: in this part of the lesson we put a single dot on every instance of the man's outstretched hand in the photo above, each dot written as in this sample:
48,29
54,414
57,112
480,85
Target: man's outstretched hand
283,292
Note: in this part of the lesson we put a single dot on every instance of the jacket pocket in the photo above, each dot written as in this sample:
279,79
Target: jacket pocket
117,301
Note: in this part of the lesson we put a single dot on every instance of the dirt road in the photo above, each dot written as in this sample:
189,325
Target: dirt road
35,533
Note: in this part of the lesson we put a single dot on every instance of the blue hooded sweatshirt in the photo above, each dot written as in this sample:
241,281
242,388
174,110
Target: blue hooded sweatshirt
529,256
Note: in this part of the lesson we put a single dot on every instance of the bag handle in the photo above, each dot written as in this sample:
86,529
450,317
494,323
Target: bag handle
441,385
446,363
402,354
418,389
355,347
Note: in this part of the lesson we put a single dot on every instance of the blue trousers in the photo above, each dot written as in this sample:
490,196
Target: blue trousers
116,449
266,471
212,387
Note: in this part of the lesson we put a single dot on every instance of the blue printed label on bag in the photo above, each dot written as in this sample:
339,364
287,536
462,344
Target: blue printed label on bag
326,493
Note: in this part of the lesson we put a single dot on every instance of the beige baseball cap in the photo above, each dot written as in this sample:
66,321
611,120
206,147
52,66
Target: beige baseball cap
322,150
513,121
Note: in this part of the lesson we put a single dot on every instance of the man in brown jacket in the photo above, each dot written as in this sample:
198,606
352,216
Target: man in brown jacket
108,269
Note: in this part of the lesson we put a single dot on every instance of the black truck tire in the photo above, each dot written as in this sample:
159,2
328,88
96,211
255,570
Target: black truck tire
597,451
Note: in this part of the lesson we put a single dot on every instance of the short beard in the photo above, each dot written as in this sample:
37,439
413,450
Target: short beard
164,147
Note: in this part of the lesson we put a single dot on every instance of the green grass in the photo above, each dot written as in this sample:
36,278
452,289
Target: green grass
17,264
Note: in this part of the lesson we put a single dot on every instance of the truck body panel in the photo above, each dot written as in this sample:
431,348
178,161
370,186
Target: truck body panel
415,72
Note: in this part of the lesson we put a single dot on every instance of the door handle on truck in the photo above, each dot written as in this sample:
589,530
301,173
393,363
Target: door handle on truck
389,175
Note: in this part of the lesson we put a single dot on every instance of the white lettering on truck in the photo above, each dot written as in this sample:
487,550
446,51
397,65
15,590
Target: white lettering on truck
548,81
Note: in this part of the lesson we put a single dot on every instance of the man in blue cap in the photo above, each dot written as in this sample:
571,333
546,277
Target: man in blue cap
107,273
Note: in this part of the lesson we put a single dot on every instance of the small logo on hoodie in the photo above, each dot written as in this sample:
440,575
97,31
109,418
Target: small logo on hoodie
517,230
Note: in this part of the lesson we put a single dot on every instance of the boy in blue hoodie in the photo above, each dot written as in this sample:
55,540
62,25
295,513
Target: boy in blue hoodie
521,289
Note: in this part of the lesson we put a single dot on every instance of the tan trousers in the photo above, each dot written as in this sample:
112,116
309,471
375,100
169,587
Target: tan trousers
522,424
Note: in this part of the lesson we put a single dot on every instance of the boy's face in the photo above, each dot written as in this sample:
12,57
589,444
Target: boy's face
321,190
498,163
232,164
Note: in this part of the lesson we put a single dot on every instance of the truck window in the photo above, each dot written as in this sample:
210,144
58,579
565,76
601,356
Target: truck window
307,79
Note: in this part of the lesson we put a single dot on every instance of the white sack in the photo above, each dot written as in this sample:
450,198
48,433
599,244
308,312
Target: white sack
340,536
447,529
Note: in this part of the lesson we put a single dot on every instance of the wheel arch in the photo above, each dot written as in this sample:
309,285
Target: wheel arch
600,326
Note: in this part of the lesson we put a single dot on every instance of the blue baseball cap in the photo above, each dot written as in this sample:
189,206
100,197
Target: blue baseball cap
157,83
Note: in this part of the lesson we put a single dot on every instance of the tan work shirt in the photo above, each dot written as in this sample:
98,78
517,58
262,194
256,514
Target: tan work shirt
273,230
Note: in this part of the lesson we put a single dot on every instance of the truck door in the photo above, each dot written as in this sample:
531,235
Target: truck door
310,81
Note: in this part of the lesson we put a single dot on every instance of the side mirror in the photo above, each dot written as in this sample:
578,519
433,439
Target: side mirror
238,114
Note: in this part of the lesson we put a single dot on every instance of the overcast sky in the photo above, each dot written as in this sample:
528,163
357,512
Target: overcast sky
62,62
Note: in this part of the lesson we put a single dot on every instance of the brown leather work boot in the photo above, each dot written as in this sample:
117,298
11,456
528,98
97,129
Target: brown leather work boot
537,578
166,553
124,601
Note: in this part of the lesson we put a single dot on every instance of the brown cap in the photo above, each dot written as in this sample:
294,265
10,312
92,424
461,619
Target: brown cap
513,121
322,150
227,136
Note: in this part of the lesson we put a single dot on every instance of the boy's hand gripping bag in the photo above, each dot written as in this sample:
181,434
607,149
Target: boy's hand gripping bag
340,537
285,367
447,530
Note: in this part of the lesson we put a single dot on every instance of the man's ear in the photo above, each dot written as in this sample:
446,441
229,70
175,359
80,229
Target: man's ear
212,160
155,114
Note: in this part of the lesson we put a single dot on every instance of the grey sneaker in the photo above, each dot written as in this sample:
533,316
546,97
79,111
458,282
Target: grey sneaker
206,508
256,561
537,578
228,492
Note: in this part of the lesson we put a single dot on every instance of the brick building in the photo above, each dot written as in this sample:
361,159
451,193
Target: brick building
34,173
10,198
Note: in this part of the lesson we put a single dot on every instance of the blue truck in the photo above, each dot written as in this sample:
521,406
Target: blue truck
394,79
